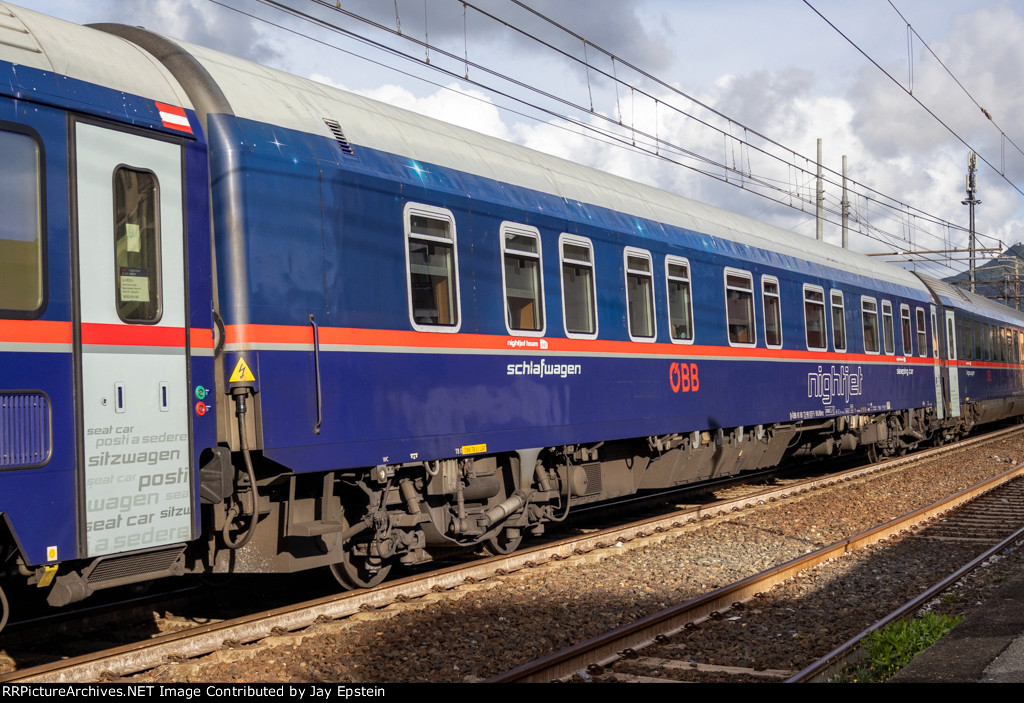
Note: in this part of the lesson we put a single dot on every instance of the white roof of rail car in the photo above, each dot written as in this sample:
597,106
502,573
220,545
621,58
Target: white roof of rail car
274,97
270,96
963,298
39,41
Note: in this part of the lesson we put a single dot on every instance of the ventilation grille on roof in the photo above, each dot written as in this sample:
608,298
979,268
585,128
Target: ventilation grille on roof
339,136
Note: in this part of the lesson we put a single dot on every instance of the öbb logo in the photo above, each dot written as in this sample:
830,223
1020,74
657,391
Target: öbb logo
683,377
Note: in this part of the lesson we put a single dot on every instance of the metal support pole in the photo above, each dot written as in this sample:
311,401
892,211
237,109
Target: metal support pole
821,198
972,200
846,209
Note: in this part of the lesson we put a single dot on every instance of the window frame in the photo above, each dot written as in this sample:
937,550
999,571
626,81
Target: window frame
740,273
577,240
41,225
636,253
669,278
842,318
906,330
157,250
435,213
921,331
504,230
765,279
864,313
888,329
811,288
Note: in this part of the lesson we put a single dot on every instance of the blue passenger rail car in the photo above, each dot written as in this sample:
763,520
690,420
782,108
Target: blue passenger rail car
985,345
104,240
250,323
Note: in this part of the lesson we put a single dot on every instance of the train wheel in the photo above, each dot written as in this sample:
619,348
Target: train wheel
505,542
873,453
354,572
5,609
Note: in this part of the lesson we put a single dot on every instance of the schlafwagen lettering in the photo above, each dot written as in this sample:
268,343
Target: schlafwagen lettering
542,368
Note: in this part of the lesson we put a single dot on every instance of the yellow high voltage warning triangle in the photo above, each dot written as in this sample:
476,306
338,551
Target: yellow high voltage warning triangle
241,373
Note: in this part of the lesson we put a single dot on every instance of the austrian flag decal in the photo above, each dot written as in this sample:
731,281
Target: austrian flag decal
174,117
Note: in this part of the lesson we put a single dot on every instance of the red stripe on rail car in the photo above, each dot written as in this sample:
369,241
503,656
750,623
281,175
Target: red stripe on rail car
254,337
132,335
201,338
35,331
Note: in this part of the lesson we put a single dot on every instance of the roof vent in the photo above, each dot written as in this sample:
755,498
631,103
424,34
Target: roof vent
339,136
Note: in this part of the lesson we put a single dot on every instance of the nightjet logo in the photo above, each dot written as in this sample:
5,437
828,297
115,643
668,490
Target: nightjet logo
832,384
527,343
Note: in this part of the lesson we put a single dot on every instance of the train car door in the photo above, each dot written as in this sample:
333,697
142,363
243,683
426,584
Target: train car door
952,369
131,331
940,404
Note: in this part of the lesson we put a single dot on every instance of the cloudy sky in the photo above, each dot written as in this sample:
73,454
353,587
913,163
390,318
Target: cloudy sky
774,68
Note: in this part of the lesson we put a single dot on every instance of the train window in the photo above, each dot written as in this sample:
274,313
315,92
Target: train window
433,265
935,334
979,344
950,348
640,295
905,332
869,318
22,276
772,309
838,321
888,335
814,317
739,307
680,299
579,298
922,334
521,273
986,342
137,245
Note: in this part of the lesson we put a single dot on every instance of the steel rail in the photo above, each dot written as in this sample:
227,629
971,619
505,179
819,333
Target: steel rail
607,648
204,639
843,653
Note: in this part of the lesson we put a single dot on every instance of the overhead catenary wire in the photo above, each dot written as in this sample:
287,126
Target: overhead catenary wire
898,205
681,93
913,97
1004,137
651,144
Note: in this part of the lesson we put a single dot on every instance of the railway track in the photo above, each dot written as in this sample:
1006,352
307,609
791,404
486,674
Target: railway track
278,625
988,516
